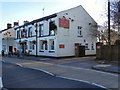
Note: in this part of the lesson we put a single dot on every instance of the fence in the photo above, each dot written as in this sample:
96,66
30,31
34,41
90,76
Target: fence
107,52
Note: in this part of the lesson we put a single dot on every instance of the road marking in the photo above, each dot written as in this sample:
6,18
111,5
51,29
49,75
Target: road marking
67,77
41,70
88,70
83,81
37,63
1,84
19,65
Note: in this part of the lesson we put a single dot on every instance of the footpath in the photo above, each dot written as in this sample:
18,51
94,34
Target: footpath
95,77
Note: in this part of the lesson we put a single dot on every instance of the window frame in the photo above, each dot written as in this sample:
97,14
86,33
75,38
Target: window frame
86,46
79,28
30,32
41,30
18,34
50,45
51,30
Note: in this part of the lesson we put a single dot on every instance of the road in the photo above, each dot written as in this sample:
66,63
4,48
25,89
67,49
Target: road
18,77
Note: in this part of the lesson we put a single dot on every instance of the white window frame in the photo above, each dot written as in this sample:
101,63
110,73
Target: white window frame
41,45
18,35
30,45
41,30
50,45
52,30
86,46
30,32
92,46
79,30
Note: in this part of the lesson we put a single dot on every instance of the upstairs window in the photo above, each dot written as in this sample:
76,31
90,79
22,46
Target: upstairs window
92,46
79,31
24,33
30,32
52,28
41,30
18,34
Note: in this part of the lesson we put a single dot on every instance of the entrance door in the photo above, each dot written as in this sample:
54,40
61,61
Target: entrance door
10,48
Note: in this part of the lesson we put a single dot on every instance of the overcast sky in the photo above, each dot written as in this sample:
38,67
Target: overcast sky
14,10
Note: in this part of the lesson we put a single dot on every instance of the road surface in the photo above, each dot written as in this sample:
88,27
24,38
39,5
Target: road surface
18,77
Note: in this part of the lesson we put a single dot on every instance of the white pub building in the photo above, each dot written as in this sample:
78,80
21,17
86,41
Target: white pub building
56,35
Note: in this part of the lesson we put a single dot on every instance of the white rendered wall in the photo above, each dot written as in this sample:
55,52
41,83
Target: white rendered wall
68,37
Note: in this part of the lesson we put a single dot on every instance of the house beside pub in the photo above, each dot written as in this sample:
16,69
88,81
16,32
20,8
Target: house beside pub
57,34
8,35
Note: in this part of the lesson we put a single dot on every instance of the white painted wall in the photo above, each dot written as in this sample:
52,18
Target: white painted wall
68,37
8,40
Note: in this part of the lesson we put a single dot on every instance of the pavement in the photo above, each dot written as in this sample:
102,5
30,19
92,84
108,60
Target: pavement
76,68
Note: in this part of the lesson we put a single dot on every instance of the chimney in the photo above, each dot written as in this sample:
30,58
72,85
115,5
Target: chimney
9,26
16,24
25,22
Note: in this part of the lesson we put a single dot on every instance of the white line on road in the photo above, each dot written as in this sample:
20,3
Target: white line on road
19,65
83,81
41,70
88,70
68,78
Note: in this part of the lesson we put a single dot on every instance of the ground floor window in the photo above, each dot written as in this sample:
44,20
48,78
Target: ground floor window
43,45
86,47
4,47
52,44
31,45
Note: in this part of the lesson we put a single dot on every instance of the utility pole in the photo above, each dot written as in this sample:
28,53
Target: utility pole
36,38
109,22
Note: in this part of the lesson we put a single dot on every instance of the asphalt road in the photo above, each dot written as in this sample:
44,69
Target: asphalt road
18,77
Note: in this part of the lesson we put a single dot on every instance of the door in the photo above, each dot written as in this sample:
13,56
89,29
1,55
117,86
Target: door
10,48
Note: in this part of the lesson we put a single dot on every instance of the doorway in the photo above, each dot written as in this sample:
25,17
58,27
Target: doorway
10,48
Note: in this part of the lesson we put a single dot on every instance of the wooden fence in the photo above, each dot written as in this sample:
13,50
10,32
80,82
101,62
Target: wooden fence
107,52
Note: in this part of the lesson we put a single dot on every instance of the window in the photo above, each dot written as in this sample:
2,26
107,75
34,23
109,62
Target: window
31,45
86,47
30,32
41,46
4,48
52,28
92,46
24,33
41,30
52,45
18,34
79,31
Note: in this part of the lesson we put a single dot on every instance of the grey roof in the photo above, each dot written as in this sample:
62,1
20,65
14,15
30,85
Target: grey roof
37,20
